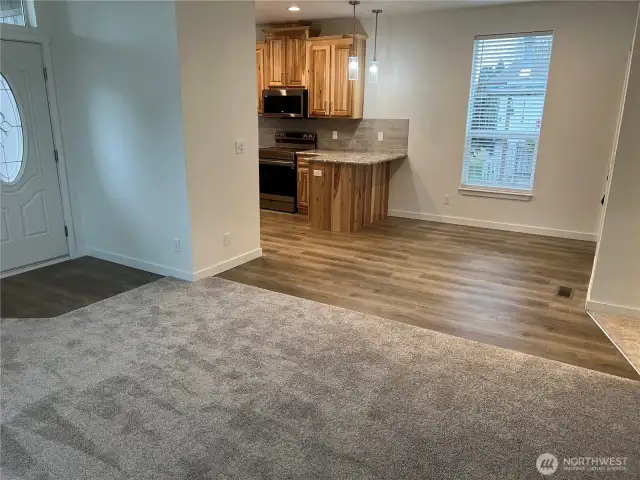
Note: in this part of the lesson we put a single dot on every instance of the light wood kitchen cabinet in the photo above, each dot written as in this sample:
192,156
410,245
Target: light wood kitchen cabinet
341,86
276,46
291,58
319,79
303,190
331,93
287,53
346,197
296,60
260,73
303,185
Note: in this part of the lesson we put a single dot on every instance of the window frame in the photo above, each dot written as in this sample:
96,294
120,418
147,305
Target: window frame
498,191
21,147
28,12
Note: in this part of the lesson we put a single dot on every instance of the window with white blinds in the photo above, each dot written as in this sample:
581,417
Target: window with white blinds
506,102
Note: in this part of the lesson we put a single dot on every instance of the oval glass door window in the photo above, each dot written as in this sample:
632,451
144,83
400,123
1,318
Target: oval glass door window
11,136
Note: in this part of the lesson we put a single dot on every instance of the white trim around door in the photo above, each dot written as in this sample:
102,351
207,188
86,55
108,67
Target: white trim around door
31,35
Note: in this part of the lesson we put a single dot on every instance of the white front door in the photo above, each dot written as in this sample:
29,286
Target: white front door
31,221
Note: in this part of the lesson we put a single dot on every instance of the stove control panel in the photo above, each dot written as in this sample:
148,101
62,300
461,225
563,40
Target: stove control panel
295,137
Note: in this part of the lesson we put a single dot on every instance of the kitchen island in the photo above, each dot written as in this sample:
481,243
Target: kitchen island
348,190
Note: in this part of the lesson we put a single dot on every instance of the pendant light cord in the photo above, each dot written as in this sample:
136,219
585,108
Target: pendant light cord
375,39
354,22
354,46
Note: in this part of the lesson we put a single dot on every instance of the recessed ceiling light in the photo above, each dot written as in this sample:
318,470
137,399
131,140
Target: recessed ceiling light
294,8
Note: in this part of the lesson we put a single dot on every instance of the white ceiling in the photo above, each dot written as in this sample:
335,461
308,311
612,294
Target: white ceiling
276,11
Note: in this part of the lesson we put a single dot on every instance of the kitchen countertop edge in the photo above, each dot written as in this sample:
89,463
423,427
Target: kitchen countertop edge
350,157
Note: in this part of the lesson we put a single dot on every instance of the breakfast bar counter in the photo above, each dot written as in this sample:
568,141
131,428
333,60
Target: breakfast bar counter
348,190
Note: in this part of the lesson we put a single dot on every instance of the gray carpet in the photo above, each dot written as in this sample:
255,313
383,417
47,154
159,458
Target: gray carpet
222,380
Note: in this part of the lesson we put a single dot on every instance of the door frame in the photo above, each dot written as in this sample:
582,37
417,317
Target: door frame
31,35
614,148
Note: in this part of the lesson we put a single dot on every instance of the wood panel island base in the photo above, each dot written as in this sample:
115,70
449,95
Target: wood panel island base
348,190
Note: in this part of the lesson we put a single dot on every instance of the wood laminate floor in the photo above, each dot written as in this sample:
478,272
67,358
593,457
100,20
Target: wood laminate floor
60,288
485,285
624,333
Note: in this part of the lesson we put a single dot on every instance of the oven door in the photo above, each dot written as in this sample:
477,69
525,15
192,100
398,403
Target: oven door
278,185
285,103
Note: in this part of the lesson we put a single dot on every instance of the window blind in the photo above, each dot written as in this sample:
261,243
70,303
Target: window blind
506,101
11,12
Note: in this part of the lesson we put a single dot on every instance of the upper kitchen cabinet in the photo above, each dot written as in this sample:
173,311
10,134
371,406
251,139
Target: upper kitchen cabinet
296,60
260,71
331,93
319,79
287,56
276,48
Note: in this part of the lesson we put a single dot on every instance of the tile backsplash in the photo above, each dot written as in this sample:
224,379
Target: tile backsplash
357,135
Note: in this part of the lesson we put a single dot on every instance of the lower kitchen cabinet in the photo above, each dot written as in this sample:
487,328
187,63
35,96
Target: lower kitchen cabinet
346,197
303,187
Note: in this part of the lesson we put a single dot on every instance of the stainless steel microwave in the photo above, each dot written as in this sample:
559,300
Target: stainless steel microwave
285,102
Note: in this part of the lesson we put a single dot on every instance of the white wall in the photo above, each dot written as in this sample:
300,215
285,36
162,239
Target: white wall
425,67
216,44
118,89
616,279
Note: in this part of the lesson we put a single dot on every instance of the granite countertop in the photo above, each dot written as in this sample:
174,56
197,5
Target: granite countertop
351,157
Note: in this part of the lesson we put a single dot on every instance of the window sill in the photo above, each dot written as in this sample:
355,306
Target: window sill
504,194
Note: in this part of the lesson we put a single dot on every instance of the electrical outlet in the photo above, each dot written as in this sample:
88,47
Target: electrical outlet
380,136
447,200
335,134
239,147
226,239
176,244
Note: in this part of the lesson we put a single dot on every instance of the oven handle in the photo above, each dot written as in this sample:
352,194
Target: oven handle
282,163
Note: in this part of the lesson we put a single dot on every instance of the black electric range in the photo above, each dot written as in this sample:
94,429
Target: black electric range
278,170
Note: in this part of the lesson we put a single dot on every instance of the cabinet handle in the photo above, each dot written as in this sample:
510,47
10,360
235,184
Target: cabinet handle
282,77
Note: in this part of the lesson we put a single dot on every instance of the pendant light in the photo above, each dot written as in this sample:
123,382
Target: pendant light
353,59
373,64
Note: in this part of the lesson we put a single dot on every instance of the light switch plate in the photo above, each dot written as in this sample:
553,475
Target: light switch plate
335,134
239,147
380,136
317,173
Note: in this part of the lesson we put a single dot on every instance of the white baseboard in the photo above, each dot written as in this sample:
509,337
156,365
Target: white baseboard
174,272
612,309
226,265
509,227
139,264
